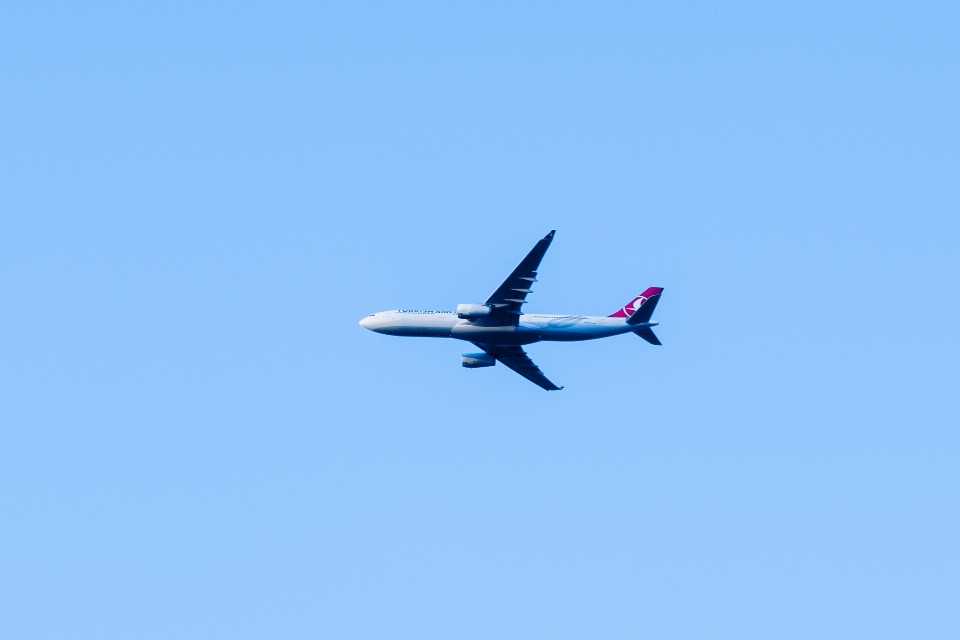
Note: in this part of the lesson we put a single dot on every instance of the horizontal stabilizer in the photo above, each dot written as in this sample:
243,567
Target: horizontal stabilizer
647,334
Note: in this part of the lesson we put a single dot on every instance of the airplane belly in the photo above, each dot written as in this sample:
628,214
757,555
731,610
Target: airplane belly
419,327
496,335
418,332
566,336
582,331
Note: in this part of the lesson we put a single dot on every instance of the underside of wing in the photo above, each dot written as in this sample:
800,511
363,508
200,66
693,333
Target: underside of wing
506,302
517,359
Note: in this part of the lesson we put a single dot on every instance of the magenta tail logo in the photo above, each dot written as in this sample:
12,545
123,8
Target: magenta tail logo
631,307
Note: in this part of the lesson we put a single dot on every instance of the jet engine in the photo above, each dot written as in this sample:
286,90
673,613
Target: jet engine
472,311
477,360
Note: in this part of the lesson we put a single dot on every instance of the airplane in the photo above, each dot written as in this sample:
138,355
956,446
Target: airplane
499,328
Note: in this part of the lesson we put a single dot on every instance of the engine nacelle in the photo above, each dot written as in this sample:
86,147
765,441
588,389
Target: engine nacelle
472,311
477,360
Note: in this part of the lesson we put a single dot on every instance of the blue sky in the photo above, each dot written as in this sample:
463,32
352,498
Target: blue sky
198,203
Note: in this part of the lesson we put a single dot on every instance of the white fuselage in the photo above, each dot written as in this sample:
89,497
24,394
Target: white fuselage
532,327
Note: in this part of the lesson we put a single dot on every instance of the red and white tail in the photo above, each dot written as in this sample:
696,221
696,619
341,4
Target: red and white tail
640,309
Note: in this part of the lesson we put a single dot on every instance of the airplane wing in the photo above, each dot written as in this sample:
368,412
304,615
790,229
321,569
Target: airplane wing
507,300
517,359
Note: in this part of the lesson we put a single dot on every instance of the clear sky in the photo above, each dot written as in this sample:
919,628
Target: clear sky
198,203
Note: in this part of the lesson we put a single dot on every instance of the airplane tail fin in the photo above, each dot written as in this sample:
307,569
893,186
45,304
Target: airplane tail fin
640,309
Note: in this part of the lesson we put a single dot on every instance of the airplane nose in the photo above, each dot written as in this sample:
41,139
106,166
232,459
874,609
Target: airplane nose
367,323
